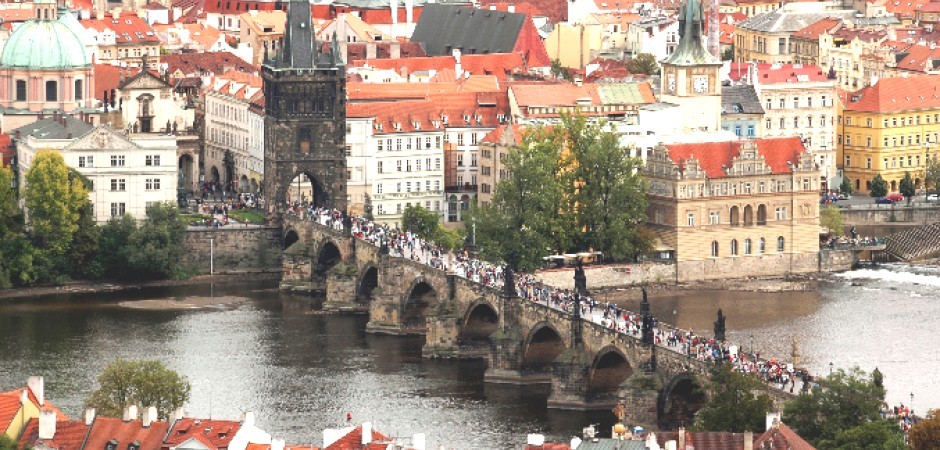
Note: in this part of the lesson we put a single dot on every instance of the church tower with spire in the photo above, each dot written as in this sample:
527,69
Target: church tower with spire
305,116
690,75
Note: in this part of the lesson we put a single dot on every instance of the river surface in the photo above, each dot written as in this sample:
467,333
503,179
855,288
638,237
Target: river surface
302,372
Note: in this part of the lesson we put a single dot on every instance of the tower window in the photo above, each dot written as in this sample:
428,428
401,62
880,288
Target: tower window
52,91
21,90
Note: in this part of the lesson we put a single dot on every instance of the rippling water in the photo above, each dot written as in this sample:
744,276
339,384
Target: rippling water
302,372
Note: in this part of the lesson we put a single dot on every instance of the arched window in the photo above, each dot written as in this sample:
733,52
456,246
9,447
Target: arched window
761,246
734,247
21,90
748,215
761,214
714,249
52,91
735,216
79,94
780,244
747,246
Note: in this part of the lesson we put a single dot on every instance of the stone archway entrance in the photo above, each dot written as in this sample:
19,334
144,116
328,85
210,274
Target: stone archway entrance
679,402
305,190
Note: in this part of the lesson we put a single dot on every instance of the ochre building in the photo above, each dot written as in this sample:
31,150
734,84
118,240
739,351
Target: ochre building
736,208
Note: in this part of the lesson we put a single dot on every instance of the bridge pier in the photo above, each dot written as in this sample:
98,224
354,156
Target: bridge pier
298,273
341,289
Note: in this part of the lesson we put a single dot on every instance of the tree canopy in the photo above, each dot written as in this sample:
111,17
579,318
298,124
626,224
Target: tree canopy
932,174
925,435
643,63
849,400
142,383
54,201
155,248
733,405
879,187
906,186
421,221
830,217
846,186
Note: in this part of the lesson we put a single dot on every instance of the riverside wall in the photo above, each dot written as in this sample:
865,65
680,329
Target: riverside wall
236,250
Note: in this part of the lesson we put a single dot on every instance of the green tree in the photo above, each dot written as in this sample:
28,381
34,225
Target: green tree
16,252
849,399
155,248
421,221
604,189
733,405
830,217
54,202
559,71
846,186
907,187
876,435
139,382
524,220
643,63
449,238
926,434
11,215
879,187
727,54
83,251
932,175
114,245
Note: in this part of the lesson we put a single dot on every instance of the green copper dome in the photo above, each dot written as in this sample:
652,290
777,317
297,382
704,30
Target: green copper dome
43,44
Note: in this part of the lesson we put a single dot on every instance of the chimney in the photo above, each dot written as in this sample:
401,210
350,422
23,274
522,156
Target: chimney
35,383
748,440
248,419
458,68
130,413
394,49
277,444
682,437
418,441
511,7
178,414
24,394
773,420
149,416
115,13
46,424
409,15
366,434
370,50
89,416
394,7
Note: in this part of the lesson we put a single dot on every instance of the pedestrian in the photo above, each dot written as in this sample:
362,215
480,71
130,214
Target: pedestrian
348,417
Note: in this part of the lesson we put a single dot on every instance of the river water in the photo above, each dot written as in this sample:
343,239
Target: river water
302,372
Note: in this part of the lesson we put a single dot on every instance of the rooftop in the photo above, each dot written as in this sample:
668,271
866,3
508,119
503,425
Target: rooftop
897,94
711,156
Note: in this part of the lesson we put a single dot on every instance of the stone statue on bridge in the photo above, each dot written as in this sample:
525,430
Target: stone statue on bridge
720,327
647,317
580,280
509,281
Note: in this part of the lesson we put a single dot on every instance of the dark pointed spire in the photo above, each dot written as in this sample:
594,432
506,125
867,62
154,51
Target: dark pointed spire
691,51
298,50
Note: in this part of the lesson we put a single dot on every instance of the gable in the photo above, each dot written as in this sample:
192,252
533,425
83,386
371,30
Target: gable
193,444
143,80
102,138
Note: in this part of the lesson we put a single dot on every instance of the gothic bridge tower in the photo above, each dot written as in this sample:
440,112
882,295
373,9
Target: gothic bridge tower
305,118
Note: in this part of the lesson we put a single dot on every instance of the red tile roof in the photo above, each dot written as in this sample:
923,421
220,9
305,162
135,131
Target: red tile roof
69,435
607,70
205,63
212,433
920,58
555,10
726,33
105,429
904,9
712,155
9,405
238,85
813,31
107,77
237,6
897,94
362,92
499,65
495,136
530,43
128,27
780,73
13,15
782,436
518,7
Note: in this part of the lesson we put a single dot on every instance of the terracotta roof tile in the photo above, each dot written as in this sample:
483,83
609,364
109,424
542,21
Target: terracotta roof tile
812,32
205,63
897,94
128,27
105,429
782,436
920,58
9,406
499,65
237,6
555,10
69,435
212,433
711,155
13,15
780,73
904,9
402,91
353,441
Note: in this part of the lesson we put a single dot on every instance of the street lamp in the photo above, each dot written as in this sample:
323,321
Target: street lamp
830,368
752,345
912,403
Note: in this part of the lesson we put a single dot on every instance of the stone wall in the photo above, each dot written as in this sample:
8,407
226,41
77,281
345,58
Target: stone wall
836,260
890,213
748,266
612,275
237,250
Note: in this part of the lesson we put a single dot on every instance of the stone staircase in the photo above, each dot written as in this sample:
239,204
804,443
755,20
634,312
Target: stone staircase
914,244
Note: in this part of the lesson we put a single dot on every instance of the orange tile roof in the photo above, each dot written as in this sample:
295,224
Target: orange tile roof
9,406
105,429
18,14
897,94
356,91
69,435
780,73
712,155
497,64
813,31
726,33
128,27
555,10
496,135
205,63
107,77
919,58
904,9
554,94
782,436
353,441
212,433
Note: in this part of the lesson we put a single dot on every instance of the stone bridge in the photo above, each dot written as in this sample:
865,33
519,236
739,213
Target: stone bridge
587,365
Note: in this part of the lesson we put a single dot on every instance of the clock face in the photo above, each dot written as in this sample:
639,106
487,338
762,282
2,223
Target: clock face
700,84
671,83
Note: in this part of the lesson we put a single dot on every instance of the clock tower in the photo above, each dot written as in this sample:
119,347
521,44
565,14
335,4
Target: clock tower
690,75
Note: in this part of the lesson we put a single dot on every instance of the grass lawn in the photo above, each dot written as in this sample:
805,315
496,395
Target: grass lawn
247,216
190,218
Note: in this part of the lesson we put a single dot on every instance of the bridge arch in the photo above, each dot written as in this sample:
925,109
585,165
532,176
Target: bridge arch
290,237
480,321
543,344
327,257
419,300
609,369
366,283
303,188
679,401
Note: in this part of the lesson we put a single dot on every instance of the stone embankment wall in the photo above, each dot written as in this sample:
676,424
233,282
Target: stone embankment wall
612,275
889,213
837,260
237,250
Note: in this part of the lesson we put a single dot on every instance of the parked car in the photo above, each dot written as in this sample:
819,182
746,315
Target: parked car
884,201
828,200
845,197
895,197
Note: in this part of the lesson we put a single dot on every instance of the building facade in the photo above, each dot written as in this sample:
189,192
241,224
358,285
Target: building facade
889,129
231,142
745,207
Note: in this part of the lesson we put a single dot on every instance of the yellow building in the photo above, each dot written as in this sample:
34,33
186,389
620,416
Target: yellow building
890,129
765,38
735,209
262,31
749,7
574,45
18,406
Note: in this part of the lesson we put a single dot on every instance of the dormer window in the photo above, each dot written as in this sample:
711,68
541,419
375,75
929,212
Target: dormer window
134,445
444,118
111,445
416,125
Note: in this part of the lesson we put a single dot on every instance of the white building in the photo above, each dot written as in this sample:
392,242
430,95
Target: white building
149,104
128,172
231,127
657,36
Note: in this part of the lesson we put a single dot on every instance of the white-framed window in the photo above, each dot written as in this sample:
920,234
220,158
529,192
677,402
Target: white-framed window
152,160
781,213
747,246
86,161
691,219
152,184
117,209
118,184
378,188
714,217
117,160
780,244
761,245
714,249
734,247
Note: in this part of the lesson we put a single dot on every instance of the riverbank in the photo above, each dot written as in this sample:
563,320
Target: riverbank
91,287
